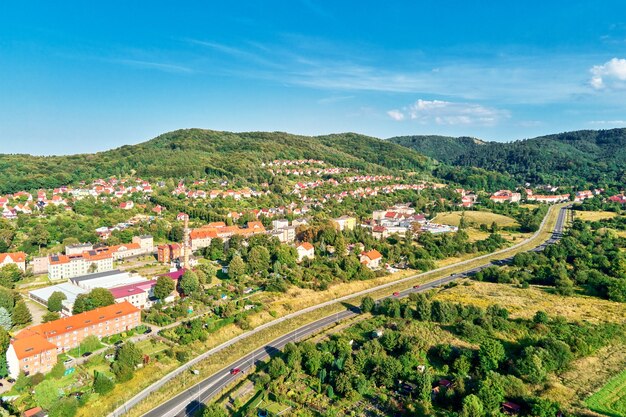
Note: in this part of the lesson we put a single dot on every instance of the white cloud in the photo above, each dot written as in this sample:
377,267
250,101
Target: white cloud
449,113
396,115
610,74
608,122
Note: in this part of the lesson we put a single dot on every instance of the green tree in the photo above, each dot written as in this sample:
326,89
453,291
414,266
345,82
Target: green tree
101,297
5,339
5,319
163,287
367,304
490,354
55,301
277,368
7,299
46,394
65,407
58,370
424,381
189,283
129,354
491,393
102,384
21,314
236,268
50,316
423,307
9,275
544,408
90,343
472,407
258,259
214,410
216,249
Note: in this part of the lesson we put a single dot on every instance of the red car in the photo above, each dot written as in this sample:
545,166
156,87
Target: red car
396,294
235,371
416,286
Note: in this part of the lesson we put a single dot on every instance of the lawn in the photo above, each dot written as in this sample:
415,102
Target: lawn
475,217
592,216
611,399
150,348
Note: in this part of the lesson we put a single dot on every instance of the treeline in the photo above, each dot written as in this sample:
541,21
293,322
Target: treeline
589,257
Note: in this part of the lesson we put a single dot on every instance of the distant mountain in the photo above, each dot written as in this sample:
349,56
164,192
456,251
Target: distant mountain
197,153
576,158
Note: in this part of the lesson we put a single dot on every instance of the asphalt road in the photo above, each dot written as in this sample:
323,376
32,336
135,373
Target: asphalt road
187,403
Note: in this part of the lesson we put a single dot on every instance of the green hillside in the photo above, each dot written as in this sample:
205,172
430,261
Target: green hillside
579,157
197,152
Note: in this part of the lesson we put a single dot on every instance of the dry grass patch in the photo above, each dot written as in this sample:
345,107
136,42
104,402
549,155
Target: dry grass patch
592,216
476,217
525,303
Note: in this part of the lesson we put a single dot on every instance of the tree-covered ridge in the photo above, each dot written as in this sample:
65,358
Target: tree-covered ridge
585,156
197,153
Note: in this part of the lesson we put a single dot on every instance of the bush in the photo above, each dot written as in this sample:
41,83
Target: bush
102,384
58,370
66,407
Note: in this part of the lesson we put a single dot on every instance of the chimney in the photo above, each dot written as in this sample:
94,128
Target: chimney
186,243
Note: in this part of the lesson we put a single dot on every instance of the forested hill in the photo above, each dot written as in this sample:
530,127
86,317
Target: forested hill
585,156
196,153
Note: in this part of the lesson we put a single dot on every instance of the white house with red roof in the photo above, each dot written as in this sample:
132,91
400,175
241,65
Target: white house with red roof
371,259
305,251
15,258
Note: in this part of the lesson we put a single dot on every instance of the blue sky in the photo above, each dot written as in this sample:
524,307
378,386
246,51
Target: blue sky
86,76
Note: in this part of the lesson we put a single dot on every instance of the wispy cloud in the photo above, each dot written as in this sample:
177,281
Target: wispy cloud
608,122
611,74
160,66
449,113
333,99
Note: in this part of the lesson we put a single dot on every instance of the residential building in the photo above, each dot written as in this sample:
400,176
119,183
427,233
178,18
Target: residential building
15,258
64,266
78,249
35,349
146,242
40,265
169,252
31,354
138,294
345,223
305,251
505,196
371,259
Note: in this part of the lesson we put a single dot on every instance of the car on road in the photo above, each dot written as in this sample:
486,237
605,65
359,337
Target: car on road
109,356
86,354
68,361
235,371
11,380
396,294
416,286
148,330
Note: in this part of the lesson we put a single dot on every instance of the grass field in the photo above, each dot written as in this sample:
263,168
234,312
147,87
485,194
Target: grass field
475,217
525,302
611,399
592,216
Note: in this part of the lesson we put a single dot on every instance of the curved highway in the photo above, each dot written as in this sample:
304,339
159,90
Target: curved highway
187,403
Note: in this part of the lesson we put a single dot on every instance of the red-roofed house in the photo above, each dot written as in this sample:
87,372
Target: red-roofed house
17,258
371,259
305,250
35,349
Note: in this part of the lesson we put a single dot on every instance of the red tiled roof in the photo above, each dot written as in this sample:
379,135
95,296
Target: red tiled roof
305,246
80,321
14,256
31,345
